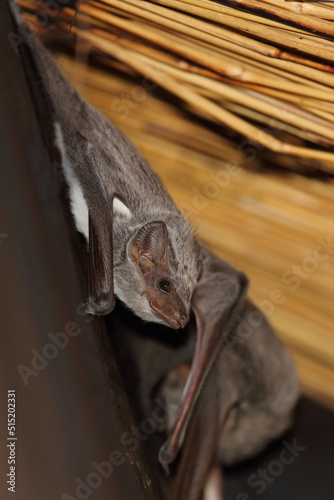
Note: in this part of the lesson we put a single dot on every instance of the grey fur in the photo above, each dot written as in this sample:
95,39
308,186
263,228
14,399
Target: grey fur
254,385
106,163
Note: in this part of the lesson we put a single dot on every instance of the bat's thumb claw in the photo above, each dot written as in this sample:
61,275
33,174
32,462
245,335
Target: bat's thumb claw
166,456
101,305
166,470
165,467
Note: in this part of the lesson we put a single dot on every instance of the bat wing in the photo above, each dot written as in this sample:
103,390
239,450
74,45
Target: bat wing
196,472
101,299
199,449
217,303
92,151
56,103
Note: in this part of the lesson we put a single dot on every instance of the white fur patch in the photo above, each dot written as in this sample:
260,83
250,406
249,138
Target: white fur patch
120,208
78,203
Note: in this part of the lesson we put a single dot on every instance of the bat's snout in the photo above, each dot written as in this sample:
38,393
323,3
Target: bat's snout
175,318
180,319
177,321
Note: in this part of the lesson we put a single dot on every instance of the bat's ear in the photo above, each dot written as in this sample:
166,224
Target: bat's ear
149,245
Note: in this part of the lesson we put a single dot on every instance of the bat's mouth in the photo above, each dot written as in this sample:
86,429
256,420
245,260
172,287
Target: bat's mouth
175,319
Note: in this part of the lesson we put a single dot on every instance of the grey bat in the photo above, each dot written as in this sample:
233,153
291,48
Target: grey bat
247,400
116,197
138,241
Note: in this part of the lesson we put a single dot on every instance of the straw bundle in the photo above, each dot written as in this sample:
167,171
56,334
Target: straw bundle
261,70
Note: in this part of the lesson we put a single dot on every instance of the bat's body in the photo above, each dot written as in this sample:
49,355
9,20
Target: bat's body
105,171
247,400
138,239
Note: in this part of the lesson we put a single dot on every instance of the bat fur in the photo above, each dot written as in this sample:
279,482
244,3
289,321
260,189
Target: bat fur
247,401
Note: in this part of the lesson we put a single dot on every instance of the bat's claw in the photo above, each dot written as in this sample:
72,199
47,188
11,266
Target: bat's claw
167,455
165,469
100,306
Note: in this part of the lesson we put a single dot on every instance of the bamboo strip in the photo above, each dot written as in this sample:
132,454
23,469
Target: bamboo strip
207,106
185,65
198,8
204,31
209,66
325,27
278,125
310,9
209,10
196,24
317,46
327,114
191,52
315,75
278,69
287,70
296,117
307,102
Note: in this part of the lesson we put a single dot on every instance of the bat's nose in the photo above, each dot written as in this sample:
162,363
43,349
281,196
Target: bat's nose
175,318
181,319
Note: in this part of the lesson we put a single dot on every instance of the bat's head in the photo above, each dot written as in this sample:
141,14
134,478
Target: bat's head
165,285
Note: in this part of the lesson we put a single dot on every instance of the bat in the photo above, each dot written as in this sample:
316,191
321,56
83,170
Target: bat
138,241
247,400
141,248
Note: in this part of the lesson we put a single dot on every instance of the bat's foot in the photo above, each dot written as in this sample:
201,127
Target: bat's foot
100,306
167,455
165,469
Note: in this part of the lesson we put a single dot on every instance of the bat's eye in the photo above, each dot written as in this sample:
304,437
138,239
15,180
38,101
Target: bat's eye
165,286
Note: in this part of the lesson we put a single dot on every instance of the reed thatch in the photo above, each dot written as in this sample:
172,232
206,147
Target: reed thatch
228,75
263,69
